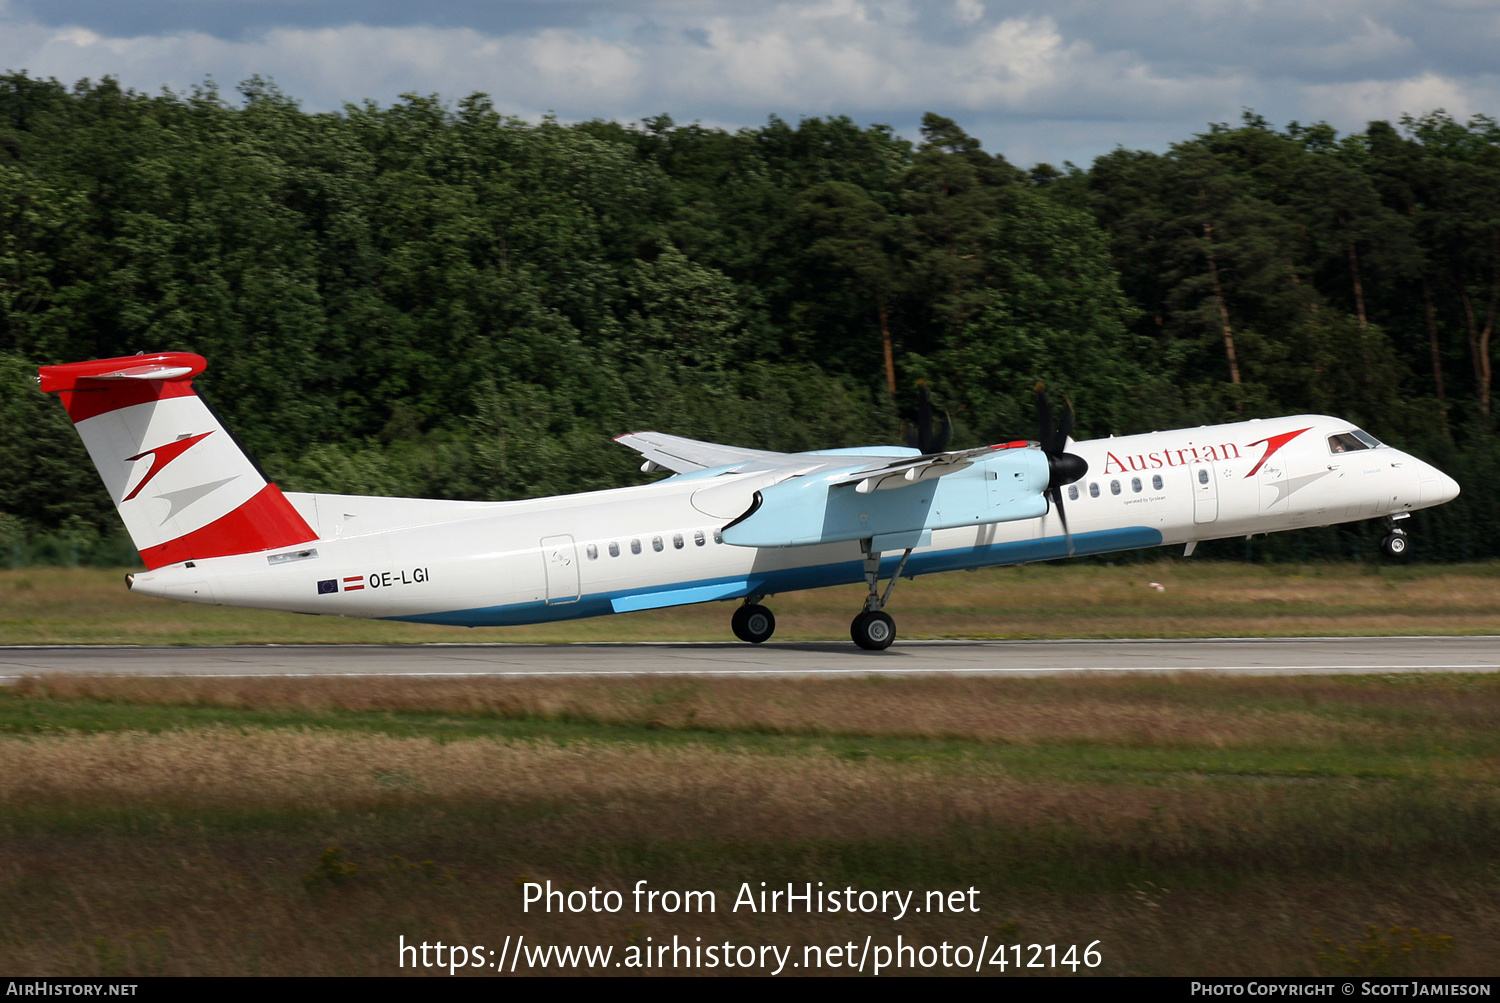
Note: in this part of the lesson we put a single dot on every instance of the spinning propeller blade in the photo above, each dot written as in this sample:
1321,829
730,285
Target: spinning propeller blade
1064,467
922,436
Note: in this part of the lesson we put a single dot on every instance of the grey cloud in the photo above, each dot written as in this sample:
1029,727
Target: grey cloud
1319,43
236,19
1333,40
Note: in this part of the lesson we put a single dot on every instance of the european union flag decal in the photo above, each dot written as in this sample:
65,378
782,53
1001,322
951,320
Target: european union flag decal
328,585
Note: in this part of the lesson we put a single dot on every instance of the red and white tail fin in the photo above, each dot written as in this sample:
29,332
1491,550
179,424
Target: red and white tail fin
184,487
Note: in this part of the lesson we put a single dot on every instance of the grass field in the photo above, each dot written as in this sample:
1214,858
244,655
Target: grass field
1315,825
1187,825
85,606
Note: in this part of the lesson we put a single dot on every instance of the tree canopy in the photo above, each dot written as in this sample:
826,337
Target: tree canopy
440,300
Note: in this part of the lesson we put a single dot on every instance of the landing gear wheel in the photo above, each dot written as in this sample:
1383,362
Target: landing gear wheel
1394,544
873,630
753,623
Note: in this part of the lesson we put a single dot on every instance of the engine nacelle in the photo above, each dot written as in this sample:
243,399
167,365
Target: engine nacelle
809,510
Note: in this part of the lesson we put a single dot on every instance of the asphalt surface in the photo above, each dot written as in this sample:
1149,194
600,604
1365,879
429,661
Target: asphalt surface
1236,656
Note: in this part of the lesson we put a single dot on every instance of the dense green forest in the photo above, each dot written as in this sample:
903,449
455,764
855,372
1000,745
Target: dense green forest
439,300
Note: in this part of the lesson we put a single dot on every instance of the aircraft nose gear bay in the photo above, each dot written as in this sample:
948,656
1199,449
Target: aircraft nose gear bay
727,524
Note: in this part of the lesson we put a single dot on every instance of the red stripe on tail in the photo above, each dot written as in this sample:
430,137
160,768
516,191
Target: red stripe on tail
265,522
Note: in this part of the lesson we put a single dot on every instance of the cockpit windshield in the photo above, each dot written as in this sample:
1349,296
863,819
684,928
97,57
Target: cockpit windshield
1348,442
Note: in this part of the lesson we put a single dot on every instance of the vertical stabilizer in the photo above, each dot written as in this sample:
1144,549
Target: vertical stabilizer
183,486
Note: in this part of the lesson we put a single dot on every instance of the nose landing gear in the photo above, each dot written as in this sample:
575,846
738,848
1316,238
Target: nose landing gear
1395,543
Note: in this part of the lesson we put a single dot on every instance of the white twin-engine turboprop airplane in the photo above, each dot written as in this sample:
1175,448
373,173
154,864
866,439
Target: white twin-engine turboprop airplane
730,524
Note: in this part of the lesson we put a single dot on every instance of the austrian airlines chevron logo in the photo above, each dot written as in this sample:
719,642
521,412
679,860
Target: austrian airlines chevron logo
160,457
1272,444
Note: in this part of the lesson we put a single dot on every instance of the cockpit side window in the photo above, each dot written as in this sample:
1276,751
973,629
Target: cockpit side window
1347,442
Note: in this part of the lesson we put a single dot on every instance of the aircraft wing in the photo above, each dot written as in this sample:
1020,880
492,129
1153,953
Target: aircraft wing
684,456
875,469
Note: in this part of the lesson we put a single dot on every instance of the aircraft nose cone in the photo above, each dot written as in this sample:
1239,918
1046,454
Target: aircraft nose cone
1066,468
1437,487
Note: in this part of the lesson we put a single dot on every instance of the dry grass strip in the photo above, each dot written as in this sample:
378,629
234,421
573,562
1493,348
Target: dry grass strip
715,792
718,792
1202,712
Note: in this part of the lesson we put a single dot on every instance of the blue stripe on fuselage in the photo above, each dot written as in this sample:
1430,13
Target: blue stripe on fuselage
795,579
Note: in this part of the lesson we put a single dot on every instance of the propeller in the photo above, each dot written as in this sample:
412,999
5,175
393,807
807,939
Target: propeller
1063,467
922,436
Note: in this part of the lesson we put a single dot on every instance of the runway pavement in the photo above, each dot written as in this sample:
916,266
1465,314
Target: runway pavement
1238,656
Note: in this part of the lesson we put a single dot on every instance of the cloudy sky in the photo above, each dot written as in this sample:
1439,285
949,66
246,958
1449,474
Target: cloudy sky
1065,80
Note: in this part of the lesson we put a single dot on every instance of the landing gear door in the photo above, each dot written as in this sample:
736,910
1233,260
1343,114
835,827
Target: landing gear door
1205,492
560,557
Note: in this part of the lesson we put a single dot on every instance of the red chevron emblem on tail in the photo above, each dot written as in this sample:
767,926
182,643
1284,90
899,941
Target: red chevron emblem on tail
160,457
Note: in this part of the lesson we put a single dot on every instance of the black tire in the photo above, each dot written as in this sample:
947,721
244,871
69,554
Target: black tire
873,631
753,623
1395,544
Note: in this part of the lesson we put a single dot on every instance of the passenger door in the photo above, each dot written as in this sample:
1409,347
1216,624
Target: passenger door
560,557
1205,491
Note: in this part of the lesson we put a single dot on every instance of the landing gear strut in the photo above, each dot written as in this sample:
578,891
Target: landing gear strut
753,622
873,629
1394,543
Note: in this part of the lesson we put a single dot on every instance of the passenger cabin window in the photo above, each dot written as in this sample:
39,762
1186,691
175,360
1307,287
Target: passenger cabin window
635,546
1114,487
1156,482
1348,442
656,544
1094,489
698,538
718,537
677,541
593,552
1135,485
1072,492
614,549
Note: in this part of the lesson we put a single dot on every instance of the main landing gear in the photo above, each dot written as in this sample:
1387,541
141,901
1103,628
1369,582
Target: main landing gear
1395,543
753,622
873,629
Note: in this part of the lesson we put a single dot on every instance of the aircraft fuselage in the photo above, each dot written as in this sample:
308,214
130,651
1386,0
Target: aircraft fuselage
661,544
